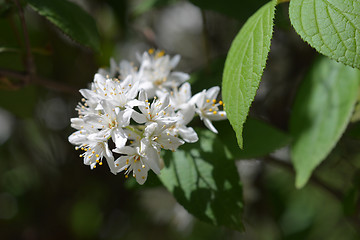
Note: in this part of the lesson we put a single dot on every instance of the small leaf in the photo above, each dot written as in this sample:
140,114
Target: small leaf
260,139
205,181
321,112
332,27
70,19
240,10
245,64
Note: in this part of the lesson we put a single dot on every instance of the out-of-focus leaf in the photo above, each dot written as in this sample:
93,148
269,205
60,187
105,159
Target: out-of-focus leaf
6,8
260,139
19,102
205,181
86,218
238,9
244,66
70,19
147,5
332,27
321,112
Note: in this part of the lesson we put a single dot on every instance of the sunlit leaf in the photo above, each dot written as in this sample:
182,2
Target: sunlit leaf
332,27
205,181
321,112
245,64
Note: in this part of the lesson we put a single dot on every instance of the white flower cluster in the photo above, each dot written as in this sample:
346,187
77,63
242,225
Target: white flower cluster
141,110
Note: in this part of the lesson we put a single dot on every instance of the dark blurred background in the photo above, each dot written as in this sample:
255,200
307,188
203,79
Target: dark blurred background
46,192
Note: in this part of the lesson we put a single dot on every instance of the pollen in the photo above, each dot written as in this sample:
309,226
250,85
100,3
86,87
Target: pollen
97,155
215,112
214,100
100,163
221,102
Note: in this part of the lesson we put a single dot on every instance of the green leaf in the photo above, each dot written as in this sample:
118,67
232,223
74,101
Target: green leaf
321,112
70,19
205,181
260,139
244,66
238,9
332,27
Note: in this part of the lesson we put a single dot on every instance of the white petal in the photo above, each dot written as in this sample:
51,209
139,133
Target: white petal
209,125
174,61
109,158
118,138
188,134
139,118
125,150
152,159
212,92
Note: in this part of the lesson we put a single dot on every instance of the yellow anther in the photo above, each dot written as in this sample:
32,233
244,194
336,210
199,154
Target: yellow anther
126,176
143,166
94,166
97,161
221,102
151,51
97,155
143,177
89,157
222,114
207,100
93,152
215,112
125,169
82,148
214,100
117,164
139,170
210,110
131,142
100,163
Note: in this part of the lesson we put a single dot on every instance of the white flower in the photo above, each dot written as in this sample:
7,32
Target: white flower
138,160
208,108
159,137
158,111
110,122
156,73
185,115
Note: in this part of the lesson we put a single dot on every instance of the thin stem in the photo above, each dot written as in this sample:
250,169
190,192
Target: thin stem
47,83
30,66
205,34
131,128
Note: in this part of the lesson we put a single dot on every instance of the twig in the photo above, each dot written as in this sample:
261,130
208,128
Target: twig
47,83
313,179
30,66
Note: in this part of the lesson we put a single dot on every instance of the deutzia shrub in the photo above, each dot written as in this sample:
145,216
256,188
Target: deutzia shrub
140,111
